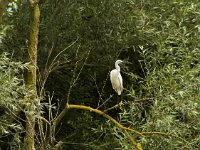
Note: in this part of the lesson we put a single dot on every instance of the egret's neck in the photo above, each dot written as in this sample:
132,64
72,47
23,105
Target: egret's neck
117,67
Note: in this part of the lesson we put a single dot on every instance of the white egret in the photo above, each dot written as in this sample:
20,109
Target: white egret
116,78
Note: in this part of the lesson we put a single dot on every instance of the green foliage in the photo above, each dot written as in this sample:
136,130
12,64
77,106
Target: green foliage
78,44
168,99
12,92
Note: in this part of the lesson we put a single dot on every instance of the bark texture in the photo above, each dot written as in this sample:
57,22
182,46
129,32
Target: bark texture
3,5
31,75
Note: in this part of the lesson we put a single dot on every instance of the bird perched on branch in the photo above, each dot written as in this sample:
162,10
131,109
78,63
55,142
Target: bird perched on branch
116,78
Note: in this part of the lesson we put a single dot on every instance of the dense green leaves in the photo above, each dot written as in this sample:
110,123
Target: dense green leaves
78,44
12,92
169,96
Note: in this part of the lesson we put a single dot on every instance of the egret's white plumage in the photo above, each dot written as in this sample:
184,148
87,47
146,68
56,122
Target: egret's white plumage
116,78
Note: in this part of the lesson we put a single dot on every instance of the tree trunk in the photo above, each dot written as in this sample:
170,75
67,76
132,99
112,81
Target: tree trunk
3,5
31,75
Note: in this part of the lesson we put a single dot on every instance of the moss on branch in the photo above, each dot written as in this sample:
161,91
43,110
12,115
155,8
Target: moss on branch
70,106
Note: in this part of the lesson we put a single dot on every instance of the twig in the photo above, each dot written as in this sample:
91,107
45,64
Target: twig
76,78
104,102
100,92
53,62
115,106
57,146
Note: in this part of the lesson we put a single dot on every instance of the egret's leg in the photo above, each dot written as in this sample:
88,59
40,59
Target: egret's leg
119,98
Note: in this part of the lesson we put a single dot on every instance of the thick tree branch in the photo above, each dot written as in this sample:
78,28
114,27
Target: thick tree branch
125,129
70,106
